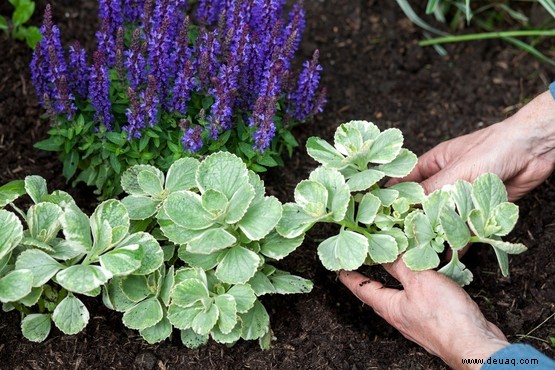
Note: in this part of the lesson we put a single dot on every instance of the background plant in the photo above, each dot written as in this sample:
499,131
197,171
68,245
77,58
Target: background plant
15,26
163,86
505,20
378,224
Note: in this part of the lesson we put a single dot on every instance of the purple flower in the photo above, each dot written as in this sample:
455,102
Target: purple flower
110,13
208,51
99,91
135,117
120,45
132,10
293,34
185,83
150,101
106,43
79,69
192,140
159,46
224,91
135,61
209,10
303,98
263,120
181,51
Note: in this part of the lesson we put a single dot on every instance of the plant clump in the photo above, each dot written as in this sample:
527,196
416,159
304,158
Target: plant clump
164,84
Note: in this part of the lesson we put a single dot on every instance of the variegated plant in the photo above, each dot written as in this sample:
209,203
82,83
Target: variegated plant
378,224
213,219
62,253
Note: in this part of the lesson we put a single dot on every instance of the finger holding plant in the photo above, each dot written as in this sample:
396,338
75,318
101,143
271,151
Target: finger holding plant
378,224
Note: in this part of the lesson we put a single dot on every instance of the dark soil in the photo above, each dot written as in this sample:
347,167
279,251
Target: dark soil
374,70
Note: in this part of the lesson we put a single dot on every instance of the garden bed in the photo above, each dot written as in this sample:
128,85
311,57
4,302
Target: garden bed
374,70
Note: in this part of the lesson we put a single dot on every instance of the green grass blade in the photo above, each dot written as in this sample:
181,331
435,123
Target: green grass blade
515,14
549,5
432,6
530,49
409,12
468,11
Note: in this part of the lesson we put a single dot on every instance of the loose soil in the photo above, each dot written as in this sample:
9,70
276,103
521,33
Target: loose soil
374,70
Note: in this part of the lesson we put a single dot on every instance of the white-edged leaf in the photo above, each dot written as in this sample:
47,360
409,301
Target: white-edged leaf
140,207
382,248
185,209
205,320
461,193
130,182
214,202
345,251
368,208
36,327
228,338
188,292
347,139
152,255
368,130
122,261
505,216
114,212
401,166
204,261
277,247
323,152
256,322
308,193
457,271
158,332
43,220
227,308
182,318
11,232
175,233
83,278
285,283
212,240
418,227
150,183
421,258
411,191
76,228
295,221
224,172
338,191
509,248
244,296
237,266
41,264
261,284
192,340
261,218
434,203
70,316
386,147
364,180
16,285
11,191
455,229
35,186
181,175
386,196
239,203
144,314
488,192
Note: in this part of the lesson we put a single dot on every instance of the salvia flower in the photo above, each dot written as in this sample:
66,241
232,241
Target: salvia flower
185,84
135,60
304,97
135,117
79,69
192,140
99,91
209,10
151,101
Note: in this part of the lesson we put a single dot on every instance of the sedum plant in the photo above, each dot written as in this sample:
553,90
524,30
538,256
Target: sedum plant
165,83
217,229
378,224
62,253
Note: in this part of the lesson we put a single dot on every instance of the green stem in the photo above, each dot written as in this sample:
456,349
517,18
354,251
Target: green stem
352,226
485,36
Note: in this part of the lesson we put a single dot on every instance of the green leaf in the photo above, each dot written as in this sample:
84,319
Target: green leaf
122,261
338,192
140,207
382,248
150,183
175,233
130,181
368,208
185,209
71,316
224,172
348,140
11,232
455,229
115,213
247,150
386,196
83,278
204,261
157,333
277,247
227,308
144,314
71,162
364,180
295,221
237,266
256,322
205,320
35,186
386,147
505,216
368,130
212,240
477,223
192,340
182,318
181,175
411,191
244,296
36,327
3,23
41,264
503,260
11,191
401,166
23,13
52,144
399,236
261,284
188,292
76,228
134,287
324,153
285,283
421,258
152,255
345,251
114,298
433,205
214,202
506,247
32,298
229,338
261,218
418,226
16,285
488,192
60,198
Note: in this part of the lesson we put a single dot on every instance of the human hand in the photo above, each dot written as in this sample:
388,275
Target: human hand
432,311
520,150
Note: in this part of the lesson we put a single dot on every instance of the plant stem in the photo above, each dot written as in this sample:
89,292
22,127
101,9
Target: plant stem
485,36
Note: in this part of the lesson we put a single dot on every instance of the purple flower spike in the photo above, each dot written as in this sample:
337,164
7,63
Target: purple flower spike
64,99
304,97
209,10
135,61
135,117
151,101
99,91
263,119
208,48
79,69
120,45
192,140
225,89
185,83
159,46
132,10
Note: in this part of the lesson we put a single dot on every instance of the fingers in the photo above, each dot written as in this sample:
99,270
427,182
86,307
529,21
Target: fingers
427,166
400,271
368,291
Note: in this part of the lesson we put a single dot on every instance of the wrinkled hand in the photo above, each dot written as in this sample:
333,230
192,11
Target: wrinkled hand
520,150
432,311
